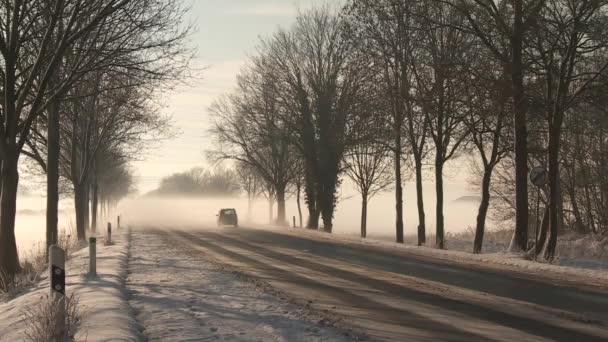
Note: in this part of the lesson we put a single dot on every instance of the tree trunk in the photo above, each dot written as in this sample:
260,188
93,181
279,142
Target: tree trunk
483,211
364,216
420,204
554,186
313,219
311,201
270,209
439,208
327,213
542,235
299,205
52,175
520,239
398,192
328,224
0,176
578,218
102,209
87,207
326,192
9,258
281,207
94,205
79,207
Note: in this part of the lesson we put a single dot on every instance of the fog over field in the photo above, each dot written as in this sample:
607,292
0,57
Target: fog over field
177,211
200,211
30,223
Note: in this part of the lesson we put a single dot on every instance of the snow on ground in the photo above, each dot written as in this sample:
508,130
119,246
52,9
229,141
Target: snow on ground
592,273
178,296
102,301
581,253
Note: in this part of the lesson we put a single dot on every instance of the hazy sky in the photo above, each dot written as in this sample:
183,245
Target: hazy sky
227,31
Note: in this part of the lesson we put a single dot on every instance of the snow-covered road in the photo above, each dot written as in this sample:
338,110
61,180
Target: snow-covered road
392,295
178,295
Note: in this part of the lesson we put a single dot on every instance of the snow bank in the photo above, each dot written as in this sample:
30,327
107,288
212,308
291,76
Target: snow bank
102,299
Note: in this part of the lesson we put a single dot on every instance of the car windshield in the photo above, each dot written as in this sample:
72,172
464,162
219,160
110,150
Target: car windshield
228,212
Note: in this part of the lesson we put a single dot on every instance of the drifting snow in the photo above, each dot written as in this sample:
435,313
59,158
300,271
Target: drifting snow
102,300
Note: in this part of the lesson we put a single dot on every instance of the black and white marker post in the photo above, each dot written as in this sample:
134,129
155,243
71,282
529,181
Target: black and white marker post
92,256
57,284
539,177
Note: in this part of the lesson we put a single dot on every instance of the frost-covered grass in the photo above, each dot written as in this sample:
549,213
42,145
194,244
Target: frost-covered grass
34,264
584,247
41,326
589,251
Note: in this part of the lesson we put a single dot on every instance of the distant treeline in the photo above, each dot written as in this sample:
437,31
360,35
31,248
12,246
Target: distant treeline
200,182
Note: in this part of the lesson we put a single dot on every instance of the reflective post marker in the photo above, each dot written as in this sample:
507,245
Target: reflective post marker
57,287
92,256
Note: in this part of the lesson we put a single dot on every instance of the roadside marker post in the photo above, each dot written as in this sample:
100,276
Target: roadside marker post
294,221
109,236
57,287
92,256
118,222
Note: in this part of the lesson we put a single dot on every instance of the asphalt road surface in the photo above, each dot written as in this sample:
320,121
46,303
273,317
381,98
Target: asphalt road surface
401,296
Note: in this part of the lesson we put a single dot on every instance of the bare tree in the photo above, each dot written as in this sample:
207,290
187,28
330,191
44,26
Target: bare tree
384,32
503,26
321,78
568,47
103,114
50,46
32,48
249,128
368,167
440,61
298,183
487,121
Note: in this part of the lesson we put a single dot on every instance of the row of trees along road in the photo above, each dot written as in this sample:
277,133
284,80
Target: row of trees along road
377,87
78,78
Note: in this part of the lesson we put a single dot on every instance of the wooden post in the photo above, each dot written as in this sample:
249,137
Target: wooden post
92,256
109,236
57,287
